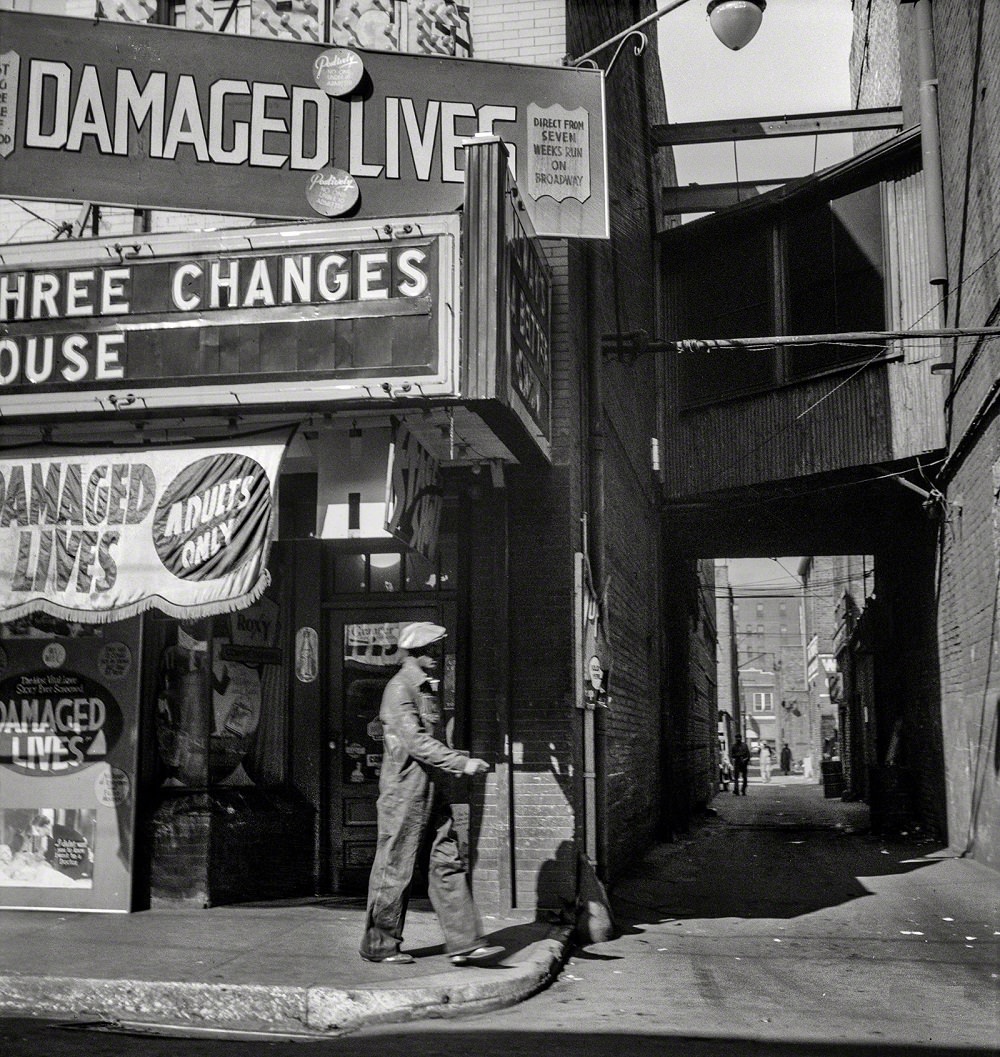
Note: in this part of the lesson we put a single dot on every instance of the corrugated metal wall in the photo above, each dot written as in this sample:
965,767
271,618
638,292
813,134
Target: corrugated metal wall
916,396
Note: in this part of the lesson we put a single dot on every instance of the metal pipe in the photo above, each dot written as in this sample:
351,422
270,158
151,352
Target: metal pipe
930,145
859,336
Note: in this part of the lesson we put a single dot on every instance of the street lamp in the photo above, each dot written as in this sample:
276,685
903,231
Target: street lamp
734,22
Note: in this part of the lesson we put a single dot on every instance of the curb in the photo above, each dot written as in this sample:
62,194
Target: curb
317,1010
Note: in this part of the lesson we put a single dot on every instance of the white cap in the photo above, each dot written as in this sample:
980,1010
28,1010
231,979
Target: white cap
420,633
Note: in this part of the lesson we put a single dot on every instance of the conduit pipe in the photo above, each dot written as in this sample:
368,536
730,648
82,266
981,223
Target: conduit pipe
930,145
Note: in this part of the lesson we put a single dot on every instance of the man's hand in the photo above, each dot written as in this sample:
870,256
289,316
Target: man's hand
476,766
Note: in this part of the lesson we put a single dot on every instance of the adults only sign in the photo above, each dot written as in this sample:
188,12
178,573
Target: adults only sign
164,118
100,536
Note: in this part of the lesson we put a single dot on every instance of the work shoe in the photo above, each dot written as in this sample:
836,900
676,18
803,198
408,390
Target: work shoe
478,954
399,958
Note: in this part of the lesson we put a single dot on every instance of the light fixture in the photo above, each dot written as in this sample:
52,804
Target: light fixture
354,442
735,22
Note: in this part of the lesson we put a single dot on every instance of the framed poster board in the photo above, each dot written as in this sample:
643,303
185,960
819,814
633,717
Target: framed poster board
69,704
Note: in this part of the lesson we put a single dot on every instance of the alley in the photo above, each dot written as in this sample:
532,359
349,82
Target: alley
777,926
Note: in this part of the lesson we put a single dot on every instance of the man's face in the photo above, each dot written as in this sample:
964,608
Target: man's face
429,657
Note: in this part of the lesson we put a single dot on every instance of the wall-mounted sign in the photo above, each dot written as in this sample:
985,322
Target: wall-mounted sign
508,308
139,115
68,748
205,319
96,536
413,493
528,285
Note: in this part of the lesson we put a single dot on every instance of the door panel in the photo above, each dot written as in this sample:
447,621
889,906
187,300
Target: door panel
361,659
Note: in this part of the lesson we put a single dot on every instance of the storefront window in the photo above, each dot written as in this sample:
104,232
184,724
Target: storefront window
421,574
220,708
386,571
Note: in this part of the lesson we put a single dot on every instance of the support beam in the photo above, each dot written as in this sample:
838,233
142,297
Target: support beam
707,198
824,123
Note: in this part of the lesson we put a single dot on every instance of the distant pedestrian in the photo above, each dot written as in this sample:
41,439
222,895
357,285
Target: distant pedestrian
413,810
740,757
786,759
765,761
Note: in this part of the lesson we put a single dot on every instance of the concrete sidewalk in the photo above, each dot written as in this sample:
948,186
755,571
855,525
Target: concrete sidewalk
281,968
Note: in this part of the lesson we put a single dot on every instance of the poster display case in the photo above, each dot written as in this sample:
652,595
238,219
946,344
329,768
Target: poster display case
68,759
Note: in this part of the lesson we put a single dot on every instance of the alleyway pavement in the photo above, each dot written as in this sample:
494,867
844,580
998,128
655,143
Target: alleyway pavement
777,925
782,918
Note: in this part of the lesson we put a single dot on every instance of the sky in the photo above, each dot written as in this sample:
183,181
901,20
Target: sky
766,574
796,64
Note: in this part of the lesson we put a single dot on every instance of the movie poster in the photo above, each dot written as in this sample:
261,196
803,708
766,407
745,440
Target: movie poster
68,754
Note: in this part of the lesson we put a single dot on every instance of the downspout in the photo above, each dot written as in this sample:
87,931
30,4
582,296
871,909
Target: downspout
734,674
930,145
594,720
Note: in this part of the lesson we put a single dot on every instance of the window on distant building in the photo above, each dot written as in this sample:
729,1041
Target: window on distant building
763,701
760,609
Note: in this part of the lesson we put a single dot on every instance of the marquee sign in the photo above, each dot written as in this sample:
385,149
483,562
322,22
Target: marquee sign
152,116
206,319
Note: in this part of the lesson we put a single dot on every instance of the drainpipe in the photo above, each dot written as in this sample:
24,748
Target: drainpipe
930,144
594,718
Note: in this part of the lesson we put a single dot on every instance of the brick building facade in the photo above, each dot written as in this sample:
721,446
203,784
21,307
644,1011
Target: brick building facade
959,666
507,581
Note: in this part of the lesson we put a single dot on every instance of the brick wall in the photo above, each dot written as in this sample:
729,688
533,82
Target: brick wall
600,288
967,42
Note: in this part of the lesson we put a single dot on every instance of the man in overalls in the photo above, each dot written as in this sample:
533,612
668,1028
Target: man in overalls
412,810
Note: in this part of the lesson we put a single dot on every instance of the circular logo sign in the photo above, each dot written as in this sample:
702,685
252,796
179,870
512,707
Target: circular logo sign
332,192
114,661
338,71
595,672
54,655
213,517
54,723
113,787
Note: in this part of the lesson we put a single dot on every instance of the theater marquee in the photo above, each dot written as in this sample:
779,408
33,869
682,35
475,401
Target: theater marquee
265,315
153,116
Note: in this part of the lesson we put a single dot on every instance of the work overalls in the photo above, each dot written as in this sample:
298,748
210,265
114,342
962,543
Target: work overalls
411,809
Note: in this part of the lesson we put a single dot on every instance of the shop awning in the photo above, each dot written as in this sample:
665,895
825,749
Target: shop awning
100,535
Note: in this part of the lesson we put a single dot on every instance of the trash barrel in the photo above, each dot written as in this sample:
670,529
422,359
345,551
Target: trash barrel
833,778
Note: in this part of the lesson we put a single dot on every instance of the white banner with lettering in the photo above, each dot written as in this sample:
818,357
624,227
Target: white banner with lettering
97,536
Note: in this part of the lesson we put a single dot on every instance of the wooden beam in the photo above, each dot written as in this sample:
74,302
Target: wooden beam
707,198
781,125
